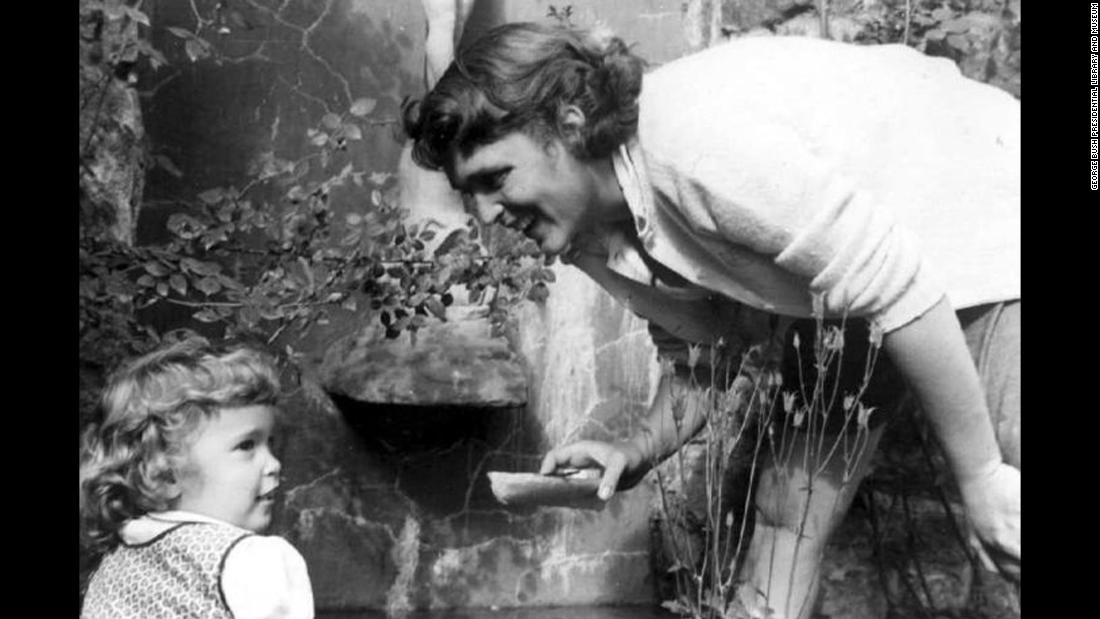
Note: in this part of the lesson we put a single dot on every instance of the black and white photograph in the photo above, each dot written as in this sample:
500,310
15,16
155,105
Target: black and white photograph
528,309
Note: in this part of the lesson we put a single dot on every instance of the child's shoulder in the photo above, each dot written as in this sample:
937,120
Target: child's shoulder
261,550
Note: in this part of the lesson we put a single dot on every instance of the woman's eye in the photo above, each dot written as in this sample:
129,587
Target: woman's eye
496,181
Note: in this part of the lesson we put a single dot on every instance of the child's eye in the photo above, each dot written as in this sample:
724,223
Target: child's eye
246,445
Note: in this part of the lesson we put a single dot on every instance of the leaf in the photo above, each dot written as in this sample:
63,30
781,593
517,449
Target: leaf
436,307
182,33
352,131
208,285
331,121
212,196
195,50
249,316
942,14
136,15
320,139
548,276
155,268
353,219
238,20
167,165
162,289
935,34
363,106
185,226
956,25
178,283
207,268
206,315
230,284
959,42
538,293
146,281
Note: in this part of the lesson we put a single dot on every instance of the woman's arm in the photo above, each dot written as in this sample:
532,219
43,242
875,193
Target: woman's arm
931,353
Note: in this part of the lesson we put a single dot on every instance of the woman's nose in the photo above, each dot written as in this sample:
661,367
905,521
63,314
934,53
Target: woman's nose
488,210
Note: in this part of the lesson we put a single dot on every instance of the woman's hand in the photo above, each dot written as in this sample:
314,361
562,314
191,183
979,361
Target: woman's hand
622,463
993,506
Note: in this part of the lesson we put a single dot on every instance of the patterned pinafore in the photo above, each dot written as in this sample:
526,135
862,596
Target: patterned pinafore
176,574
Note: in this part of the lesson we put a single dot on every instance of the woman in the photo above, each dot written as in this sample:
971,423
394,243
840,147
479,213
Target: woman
774,173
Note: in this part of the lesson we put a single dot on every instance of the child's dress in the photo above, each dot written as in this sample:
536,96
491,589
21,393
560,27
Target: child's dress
180,564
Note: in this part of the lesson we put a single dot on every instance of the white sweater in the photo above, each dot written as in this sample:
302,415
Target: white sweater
770,169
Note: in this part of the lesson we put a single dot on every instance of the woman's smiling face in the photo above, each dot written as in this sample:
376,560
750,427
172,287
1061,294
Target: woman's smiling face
540,189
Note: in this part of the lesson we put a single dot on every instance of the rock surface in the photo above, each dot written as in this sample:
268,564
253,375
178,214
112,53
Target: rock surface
455,363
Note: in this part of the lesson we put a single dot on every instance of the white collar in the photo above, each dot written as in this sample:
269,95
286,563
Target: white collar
144,528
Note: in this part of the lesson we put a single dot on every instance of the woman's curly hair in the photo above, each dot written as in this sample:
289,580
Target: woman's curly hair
151,407
519,77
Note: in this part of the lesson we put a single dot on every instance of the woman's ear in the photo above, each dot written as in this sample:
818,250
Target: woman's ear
571,122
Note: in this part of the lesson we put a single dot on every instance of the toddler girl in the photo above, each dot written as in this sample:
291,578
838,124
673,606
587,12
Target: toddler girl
176,481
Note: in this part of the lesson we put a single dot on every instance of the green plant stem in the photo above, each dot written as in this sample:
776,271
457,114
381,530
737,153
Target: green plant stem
911,544
908,21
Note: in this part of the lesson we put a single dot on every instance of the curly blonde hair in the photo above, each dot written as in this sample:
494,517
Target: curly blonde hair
151,406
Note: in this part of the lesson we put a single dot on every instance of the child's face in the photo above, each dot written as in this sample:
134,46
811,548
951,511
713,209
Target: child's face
229,471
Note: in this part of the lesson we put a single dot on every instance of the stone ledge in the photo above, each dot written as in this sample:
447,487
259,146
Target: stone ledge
457,363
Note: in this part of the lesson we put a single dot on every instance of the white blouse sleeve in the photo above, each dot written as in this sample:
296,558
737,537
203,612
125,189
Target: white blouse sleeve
265,578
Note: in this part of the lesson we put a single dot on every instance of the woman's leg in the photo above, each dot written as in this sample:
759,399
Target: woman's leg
806,486
798,506
993,336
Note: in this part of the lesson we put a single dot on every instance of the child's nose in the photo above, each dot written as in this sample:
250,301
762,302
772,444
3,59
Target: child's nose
274,467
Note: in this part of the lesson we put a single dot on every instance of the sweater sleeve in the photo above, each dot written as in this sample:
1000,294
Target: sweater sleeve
264,577
761,187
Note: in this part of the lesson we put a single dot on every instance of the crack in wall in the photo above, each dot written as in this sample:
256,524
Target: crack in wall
305,40
295,88
406,556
